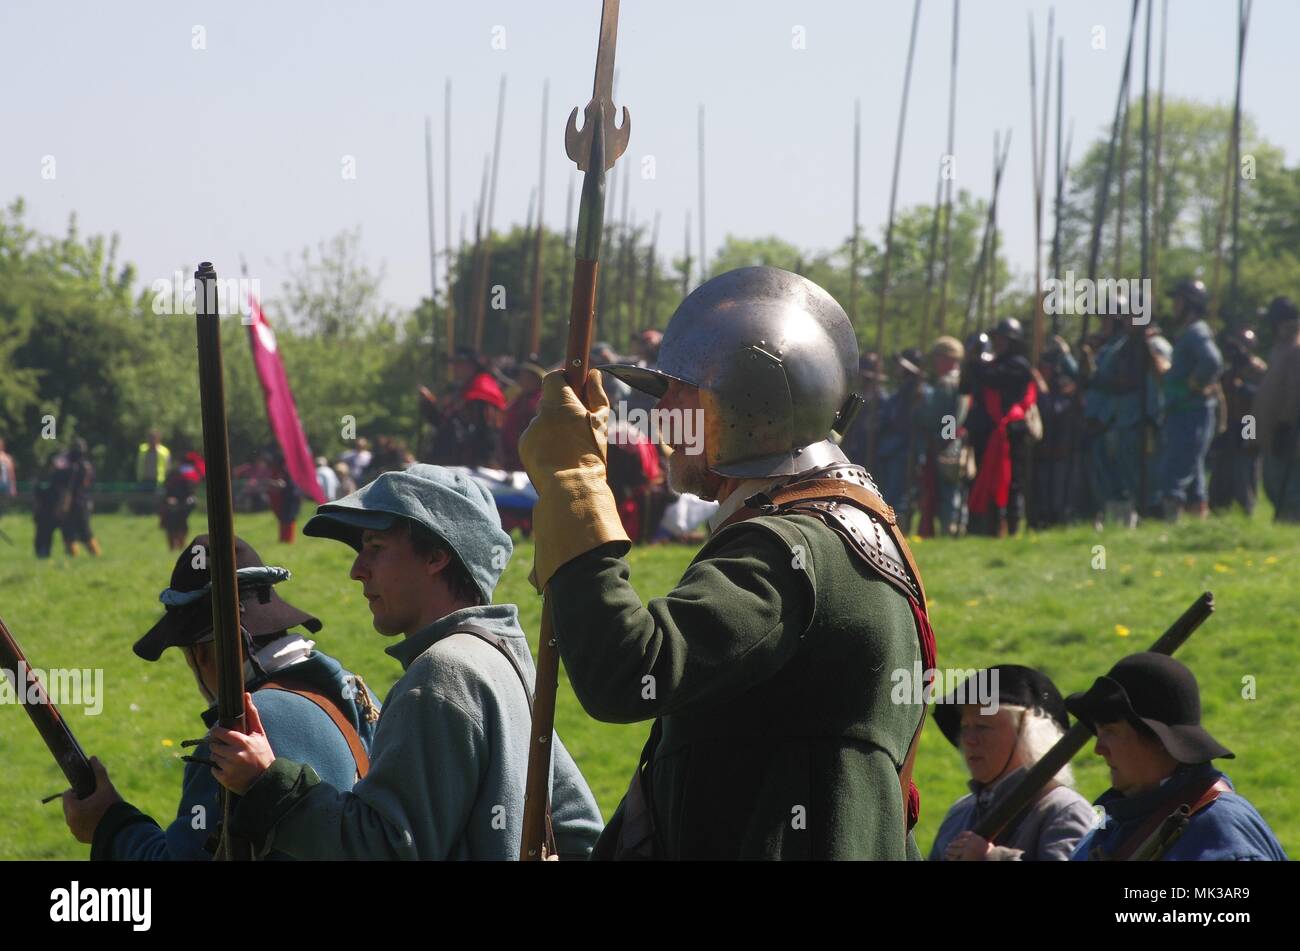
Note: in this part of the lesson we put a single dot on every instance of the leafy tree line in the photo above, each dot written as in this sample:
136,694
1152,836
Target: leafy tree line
80,343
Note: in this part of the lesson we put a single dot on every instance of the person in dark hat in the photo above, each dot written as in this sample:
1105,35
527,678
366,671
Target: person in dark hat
1277,412
1234,459
899,443
451,749
520,412
1191,394
861,438
942,434
81,481
1002,729
467,417
1146,714
1003,397
309,705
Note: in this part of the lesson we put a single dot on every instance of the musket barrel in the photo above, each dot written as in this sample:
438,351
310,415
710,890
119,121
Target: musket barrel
46,717
1075,738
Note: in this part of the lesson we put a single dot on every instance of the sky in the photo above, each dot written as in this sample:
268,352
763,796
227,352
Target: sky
210,132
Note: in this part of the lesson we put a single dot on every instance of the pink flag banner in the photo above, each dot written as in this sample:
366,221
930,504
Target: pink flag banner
280,409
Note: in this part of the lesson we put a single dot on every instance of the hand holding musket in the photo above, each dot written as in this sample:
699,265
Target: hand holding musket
1041,773
221,532
46,717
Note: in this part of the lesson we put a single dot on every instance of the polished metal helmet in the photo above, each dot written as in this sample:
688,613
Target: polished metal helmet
774,357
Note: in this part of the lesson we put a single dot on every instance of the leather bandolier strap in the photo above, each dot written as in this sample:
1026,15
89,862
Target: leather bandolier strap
1196,797
331,709
822,496
549,846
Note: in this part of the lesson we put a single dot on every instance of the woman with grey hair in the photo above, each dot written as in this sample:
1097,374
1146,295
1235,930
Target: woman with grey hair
1021,718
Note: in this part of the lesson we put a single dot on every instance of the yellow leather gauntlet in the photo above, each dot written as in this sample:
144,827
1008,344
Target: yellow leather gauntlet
563,450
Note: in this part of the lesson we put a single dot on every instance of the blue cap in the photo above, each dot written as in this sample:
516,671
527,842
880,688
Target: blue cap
450,504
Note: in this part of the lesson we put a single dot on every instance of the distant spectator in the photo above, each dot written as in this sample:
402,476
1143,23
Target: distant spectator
178,499
347,484
50,500
76,520
358,459
284,495
326,479
468,416
8,476
520,413
152,462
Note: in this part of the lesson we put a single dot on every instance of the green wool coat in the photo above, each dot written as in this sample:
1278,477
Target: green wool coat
770,664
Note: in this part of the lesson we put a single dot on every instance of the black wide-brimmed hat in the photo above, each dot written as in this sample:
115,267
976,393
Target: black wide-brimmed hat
1017,686
261,610
1158,691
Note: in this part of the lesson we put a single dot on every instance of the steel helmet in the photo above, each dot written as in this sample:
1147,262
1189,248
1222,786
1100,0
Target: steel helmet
774,357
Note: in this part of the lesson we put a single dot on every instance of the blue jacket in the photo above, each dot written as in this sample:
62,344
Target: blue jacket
1196,357
1227,830
294,726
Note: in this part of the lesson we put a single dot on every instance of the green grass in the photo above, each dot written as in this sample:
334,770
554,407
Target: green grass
1036,601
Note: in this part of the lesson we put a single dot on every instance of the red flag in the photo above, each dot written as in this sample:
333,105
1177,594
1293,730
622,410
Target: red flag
280,410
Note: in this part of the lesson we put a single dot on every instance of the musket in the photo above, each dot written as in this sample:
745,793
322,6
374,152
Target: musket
594,149
1143,451
535,314
228,642
1075,738
47,719
1163,838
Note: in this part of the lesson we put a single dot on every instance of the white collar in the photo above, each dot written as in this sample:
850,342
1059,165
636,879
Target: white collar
281,653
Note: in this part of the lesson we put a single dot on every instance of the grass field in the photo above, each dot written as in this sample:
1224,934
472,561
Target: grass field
1037,600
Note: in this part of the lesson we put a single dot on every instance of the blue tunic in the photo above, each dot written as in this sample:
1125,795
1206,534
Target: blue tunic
1227,830
295,727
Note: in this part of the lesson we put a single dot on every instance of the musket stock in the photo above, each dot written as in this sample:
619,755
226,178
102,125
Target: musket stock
46,717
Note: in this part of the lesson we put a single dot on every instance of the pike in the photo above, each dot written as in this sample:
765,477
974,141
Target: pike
1157,177
1103,188
1000,155
952,173
450,334
686,257
1038,147
1234,157
433,244
535,314
485,258
1062,167
594,150
1041,773
853,247
704,258
47,719
1143,448
647,296
228,643
893,188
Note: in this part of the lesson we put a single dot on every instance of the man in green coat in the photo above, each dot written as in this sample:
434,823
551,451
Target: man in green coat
768,668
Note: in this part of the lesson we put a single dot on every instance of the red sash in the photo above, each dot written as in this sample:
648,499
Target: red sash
993,482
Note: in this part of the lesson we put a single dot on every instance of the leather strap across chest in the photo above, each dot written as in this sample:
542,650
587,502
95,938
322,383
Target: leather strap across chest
822,497
330,708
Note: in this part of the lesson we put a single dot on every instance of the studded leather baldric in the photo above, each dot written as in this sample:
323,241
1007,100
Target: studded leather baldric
846,499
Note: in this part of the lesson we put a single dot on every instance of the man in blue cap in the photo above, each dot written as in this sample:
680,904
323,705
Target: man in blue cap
450,754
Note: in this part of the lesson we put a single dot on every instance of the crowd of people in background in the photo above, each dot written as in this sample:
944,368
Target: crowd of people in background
969,438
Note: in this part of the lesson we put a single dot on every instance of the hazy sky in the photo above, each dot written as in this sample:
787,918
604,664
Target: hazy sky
240,147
